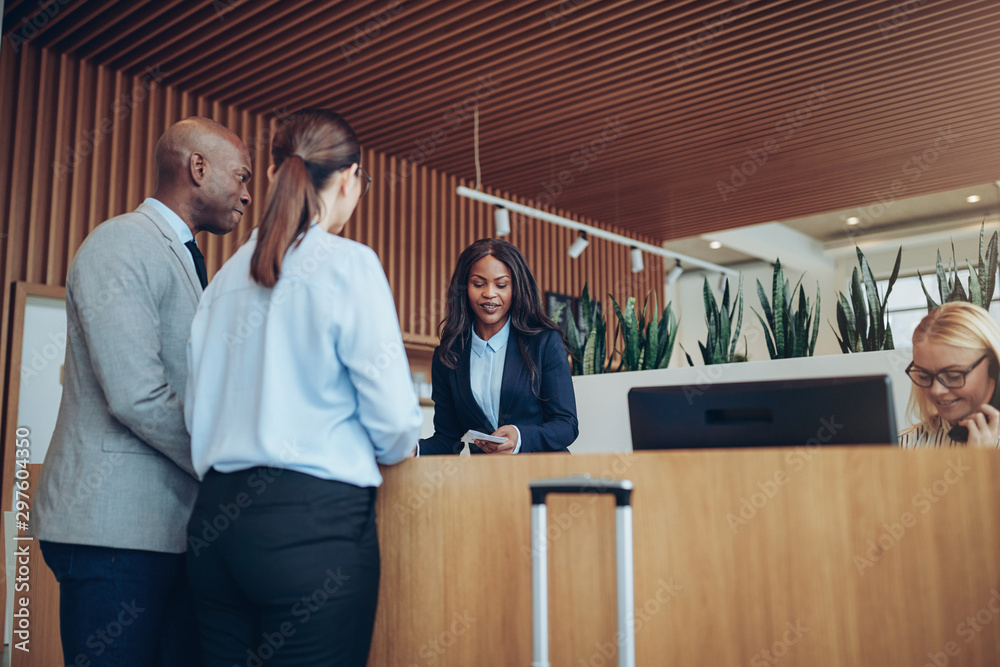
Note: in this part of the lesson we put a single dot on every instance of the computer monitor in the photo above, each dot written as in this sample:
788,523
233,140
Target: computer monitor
774,413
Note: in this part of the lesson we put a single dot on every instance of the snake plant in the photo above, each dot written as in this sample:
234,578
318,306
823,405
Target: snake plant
723,334
787,331
585,336
644,345
863,319
982,279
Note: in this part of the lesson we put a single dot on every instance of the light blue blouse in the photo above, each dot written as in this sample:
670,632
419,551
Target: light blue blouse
310,375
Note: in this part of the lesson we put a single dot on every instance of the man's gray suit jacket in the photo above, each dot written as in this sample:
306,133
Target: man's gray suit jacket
118,472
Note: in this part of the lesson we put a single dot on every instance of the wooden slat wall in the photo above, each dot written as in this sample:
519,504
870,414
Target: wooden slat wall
77,144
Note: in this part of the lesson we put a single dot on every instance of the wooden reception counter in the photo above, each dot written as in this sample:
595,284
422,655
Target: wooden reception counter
813,557
832,556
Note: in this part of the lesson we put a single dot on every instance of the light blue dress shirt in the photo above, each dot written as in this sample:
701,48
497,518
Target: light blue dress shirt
310,375
486,374
486,371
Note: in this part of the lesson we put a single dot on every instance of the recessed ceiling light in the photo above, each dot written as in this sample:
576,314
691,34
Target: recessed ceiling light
715,245
972,199
853,220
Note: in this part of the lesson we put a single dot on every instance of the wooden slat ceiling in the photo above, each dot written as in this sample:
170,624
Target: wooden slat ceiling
644,109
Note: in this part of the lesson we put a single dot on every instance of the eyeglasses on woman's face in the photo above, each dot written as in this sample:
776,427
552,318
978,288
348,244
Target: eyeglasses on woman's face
366,180
948,379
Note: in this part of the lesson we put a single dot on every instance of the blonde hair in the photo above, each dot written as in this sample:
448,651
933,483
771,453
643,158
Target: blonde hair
959,324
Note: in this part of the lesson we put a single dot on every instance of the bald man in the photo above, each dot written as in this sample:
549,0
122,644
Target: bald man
118,487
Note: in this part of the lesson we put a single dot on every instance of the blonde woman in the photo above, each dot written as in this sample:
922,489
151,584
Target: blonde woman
954,373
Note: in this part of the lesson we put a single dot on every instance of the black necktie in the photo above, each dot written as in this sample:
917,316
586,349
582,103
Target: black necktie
199,262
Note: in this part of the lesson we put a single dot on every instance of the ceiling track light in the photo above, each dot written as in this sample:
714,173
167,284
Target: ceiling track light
501,219
637,264
579,245
597,232
675,273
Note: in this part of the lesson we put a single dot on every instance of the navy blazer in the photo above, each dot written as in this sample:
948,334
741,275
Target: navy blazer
546,417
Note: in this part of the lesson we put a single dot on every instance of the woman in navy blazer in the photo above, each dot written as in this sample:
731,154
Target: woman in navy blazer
501,367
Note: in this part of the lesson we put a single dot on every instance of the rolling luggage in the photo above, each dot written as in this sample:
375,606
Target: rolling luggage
622,491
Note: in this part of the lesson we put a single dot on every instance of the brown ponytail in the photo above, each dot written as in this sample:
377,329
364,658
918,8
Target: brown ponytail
309,148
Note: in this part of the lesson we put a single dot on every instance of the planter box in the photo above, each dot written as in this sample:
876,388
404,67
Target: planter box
602,400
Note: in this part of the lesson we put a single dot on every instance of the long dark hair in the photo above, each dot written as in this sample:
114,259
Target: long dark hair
310,146
526,314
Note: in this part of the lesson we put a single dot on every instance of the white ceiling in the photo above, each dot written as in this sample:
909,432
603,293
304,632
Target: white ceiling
927,217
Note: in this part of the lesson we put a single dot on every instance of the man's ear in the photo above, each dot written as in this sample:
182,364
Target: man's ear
198,167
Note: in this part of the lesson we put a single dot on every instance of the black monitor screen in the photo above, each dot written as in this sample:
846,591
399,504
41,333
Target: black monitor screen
774,413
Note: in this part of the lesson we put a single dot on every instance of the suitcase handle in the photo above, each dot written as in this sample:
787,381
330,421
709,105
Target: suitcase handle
621,489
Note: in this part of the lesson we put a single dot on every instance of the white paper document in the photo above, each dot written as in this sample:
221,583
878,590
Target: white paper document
472,436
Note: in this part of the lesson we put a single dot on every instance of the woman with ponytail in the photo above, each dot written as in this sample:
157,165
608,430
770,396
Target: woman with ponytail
298,388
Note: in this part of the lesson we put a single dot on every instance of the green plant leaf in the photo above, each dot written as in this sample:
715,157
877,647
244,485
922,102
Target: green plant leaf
672,327
892,281
815,321
767,334
975,289
842,339
779,287
631,336
990,279
739,321
858,306
871,292
845,323
765,305
589,355
943,287
931,304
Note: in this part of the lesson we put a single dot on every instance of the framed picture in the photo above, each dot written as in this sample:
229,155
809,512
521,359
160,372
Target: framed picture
38,337
560,305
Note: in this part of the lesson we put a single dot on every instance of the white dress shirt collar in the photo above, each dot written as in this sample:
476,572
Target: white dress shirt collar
180,228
